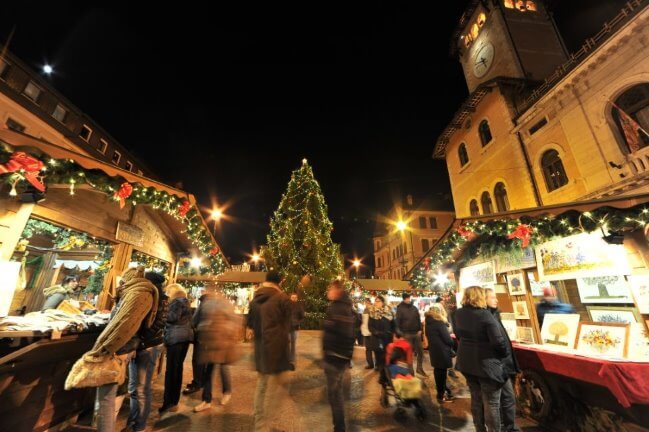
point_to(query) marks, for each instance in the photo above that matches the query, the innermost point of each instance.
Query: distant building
(30, 105)
(397, 250)
(542, 127)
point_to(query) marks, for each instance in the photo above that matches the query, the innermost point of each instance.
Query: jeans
(140, 374)
(266, 398)
(485, 403)
(508, 407)
(176, 354)
(293, 341)
(335, 373)
(208, 380)
(417, 349)
(440, 381)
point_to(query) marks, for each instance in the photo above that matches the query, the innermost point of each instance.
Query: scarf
(57, 289)
(384, 312)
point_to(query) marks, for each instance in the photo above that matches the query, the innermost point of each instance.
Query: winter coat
(365, 329)
(399, 343)
(381, 326)
(338, 337)
(481, 344)
(179, 322)
(440, 344)
(408, 319)
(510, 363)
(218, 329)
(134, 309)
(552, 307)
(53, 301)
(270, 319)
(154, 335)
(297, 314)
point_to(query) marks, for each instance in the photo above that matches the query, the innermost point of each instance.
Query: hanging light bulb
(13, 192)
(71, 188)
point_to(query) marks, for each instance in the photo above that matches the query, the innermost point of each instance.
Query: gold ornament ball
(305, 281)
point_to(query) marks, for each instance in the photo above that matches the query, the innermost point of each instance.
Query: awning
(384, 284)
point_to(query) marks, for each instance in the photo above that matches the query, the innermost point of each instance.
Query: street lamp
(255, 260)
(402, 227)
(216, 214)
(356, 263)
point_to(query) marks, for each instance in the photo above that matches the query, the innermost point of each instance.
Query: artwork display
(516, 283)
(638, 343)
(511, 329)
(579, 256)
(483, 275)
(616, 315)
(507, 316)
(520, 310)
(640, 289)
(598, 339)
(604, 289)
(560, 330)
(536, 286)
(515, 260)
(525, 334)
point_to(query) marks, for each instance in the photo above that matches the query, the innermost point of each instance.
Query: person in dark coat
(551, 304)
(409, 323)
(440, 348)
(481, 350)
(338, 347)
(269, 320)
(297, 316)
(510, 367)
(381, 326)
(198, 370)
(178, 334)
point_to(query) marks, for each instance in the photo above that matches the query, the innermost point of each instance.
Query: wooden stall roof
(384, 284)
(30, 144)
(228, 276)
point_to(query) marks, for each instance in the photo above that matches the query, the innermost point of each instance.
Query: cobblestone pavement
(303, 405)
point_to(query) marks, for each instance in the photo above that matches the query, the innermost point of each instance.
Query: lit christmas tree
(300, 242)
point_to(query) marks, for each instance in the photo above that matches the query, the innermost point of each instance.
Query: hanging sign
(130, 234)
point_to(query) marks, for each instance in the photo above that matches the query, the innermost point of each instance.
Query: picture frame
(520, 310)
(614, 314)
(525, 335)
(604, 289)
(640, 289)
(560, 330)
(516, 283)
(638, 343)
(507, 316)
(603, 339)
(536, 286)
(483, 275)
(511, 329)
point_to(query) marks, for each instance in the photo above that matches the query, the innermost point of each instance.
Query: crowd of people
(149, 319)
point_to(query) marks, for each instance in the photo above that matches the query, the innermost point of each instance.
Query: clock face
(483, 59)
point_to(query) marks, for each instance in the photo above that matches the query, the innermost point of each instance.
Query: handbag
(91, 371)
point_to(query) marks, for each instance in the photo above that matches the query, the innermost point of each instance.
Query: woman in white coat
(365, 331)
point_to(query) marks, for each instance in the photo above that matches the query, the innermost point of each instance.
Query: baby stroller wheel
(400, 415)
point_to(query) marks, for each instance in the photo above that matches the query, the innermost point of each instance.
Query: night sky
(228, 102)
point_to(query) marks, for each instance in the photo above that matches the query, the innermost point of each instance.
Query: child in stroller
(400, 383)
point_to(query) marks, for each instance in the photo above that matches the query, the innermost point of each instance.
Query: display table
(33, 369)
(617, 386)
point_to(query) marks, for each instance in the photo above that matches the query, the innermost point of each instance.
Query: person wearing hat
(551, 304)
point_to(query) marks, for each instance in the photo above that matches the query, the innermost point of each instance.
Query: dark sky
(230, 101)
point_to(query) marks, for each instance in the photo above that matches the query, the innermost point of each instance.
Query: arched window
(463, 155)
(631, 114)
(553, 171)
(473, 208)
(485, 133)
(487, 206)
(500, 193)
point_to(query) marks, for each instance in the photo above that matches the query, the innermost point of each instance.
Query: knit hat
(132, 273)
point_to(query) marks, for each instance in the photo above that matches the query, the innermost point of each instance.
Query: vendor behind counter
(56, 294)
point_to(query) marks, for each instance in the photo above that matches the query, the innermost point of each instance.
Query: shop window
(85, 133)
(485, 133)
(553, 171)
(32, 91)
(500, 193)
(487, 205)
(422, 222)
(521, 5)
(463, 155)
(474, 31)
(631, 115)
(14, 125)
(538, 125)
(425, 245)
(482, 18)
(432, 222)
(474, 210)
(60, 113)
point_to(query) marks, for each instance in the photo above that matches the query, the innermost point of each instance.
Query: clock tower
(507, 38)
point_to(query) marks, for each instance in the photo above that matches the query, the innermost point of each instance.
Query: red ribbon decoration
(427, 264)
(465, 232)
(214, 250)
(523, 233)
(125, 191)
(28, 166)
(184, 208)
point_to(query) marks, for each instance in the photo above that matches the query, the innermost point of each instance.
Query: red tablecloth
(629, 382)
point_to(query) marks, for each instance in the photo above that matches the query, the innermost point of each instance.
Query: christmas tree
(299, 243)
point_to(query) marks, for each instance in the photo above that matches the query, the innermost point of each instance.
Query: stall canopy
(384, 284)
(229, 276)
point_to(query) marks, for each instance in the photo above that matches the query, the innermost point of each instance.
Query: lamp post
(216, 214)
(402, 227)
(255, 260)
(356, 264)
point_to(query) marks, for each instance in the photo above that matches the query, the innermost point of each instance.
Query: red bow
(427, 264)
(214, 250)
(125, 191)
(465, 232)
(523, 233)
(184, 208)
(28, 166)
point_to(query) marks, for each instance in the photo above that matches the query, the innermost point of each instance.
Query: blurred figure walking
(297, 316)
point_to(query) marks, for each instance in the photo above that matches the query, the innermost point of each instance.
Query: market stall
(64, 216)
(573, 290)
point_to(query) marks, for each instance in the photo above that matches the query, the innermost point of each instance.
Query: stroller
(406, 393)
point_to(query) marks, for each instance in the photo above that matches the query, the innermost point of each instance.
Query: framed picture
(578, 256)
(510, 328)
(520, 310)
(516, 283)
(638, 343)
(483, 274)
(536, 287)
(525, 334)
(506, 262)
(599, 339)
(640, 289)
(604, 289)
(507, 316)
(560, 330)
(613, 314)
